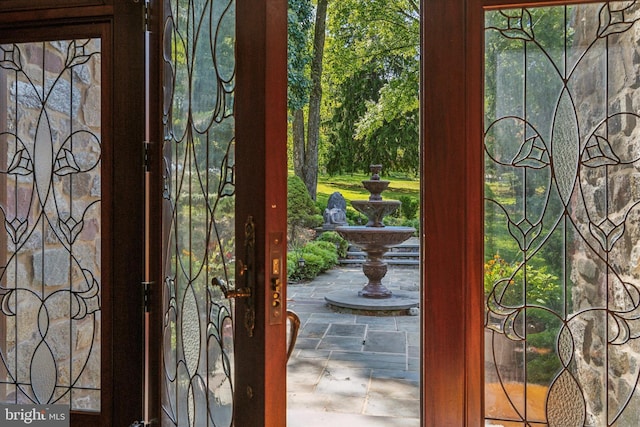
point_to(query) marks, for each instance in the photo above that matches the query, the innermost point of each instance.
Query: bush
(301, 209)
(355, 218)
(415, 223)
(302, 213)
(325, 250)
(543, 298)
(318, 257)
(333, 237)
(409, 206)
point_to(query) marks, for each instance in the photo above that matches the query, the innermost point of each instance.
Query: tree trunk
(310, 169)
(298, 143)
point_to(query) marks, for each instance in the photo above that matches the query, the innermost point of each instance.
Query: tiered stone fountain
(375, 239)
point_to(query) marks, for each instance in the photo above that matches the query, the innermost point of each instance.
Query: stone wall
(605, 254)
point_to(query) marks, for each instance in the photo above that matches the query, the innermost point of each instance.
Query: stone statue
(336, 212)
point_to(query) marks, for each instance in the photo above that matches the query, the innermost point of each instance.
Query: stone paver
(386, 342)
(352, 369)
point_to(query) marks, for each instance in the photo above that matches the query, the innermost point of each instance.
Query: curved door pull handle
(246, 272)
(231, 293)
(294, 328)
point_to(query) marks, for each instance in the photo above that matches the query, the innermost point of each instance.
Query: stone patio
(353, 369)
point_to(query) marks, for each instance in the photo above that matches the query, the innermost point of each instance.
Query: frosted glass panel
(562, 215)
(50, 208)
(199, 211)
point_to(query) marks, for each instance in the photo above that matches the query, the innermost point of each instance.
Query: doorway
(353, 363)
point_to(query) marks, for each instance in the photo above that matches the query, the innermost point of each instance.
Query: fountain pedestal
(375, 241)
(375, 270)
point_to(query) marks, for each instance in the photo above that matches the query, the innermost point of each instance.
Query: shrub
(333, 237)
(318, 257)
(301, 209)
(292, 265)
(302, 213)
(415, 223)
(409, 206)
(538, 306)
(325, 250)
(355, 218)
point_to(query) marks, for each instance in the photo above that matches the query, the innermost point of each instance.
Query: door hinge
(146, 296)
(146, 156)
(147, 16)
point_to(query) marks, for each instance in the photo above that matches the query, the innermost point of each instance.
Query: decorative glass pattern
(50, 192)
(199, 65)
(562, 215)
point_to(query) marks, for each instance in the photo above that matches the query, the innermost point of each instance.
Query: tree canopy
(300, 20)
(372, 78)
(369, 70)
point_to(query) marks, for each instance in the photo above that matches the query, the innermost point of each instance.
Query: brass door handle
(245, 272)
(294, 328)
(231, 293)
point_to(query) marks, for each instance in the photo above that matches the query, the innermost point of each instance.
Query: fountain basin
(375, 241)
(372, 238)
(375, 187)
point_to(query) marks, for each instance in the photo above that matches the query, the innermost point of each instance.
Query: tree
(349, 105)
(373, 75)
(300, 16)
(299, 57)
(305, 144)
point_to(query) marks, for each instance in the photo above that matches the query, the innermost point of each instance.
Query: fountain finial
(375, 172)
(375, 185)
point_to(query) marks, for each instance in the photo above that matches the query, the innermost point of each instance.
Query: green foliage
(506, 280)
(393, 221)
(542, 299)
(409, 207)
(334, 238)
(318, 256)
(301, 209)
(372, 79)
(354, 217)
(300, 19)
(415, 223)
(542, 368)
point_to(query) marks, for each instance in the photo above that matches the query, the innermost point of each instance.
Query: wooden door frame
(451, 200)
(119, 23)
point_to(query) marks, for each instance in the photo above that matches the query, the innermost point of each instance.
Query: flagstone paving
(352, 369)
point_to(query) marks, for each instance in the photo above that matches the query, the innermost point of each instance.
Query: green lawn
(351, 187)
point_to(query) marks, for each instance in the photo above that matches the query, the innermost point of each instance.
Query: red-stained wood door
(453, 162)
(71, 128)
(217, 176)
(159, 131)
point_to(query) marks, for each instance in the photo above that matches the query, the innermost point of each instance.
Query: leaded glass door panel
(63, 288)
(562, 208)
(224, 211)
(51, 209)
(199, 40)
